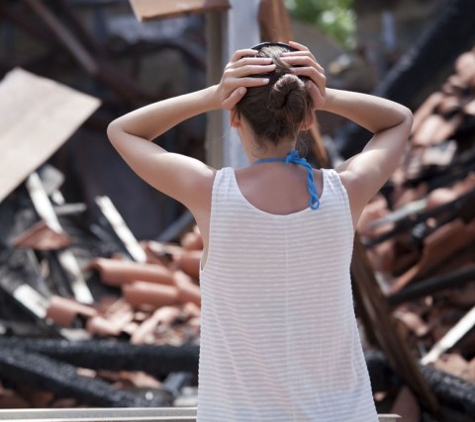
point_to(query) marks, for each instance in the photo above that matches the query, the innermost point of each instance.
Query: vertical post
(215, 24)
(227, 32)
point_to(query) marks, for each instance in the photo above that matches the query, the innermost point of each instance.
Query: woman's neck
(268, 150)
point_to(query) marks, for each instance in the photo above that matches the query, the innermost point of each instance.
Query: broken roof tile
(42, 237)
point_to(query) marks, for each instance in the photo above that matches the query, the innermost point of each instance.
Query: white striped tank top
(279, 340)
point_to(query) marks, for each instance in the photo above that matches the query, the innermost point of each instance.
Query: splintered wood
(152, 9)
(38, 116)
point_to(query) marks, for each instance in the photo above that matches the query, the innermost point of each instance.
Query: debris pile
(419, 232)
(72, 351)
(89, 316)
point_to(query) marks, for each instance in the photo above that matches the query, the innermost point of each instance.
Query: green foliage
(334, 17)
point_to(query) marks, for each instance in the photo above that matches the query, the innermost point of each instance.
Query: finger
(248, 70)
(241, 53)
(234, 98)
(302, 61)
(252, 60)
(299, 54)
(316, 77)
(298, 46)
(234, 84)
(315, 93)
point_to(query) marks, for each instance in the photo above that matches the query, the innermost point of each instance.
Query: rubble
(419, 232)
(90, 316)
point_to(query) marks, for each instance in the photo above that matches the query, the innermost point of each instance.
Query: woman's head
(277, 111)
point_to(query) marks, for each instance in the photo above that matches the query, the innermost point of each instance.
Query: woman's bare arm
(364, 174)
(183, 178)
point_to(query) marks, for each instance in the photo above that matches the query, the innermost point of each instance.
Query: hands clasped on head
(247, 69)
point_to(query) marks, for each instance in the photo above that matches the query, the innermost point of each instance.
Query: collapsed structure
(90, 316)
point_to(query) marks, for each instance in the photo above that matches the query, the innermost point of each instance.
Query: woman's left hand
(239, 74)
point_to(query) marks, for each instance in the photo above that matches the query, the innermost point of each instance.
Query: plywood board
(156, 9)
(37, 116)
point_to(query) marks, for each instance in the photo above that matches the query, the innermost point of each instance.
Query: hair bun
(283, 90)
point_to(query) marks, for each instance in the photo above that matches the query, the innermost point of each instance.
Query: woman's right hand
(304, 63)
(240, 74)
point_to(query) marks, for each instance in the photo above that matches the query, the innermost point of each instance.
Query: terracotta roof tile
(145, 293)
(117, 272)
(42, 237)
(64, 312)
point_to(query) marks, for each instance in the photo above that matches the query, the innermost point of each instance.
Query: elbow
(408, 121)
(113, 130)
(407, 116)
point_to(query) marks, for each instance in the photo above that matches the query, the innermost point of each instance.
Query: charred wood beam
(192, 54)
(75, 24)
(41, 372)
(455, 395)
(65, 36)
(24, 286)
(120, 229)
(98, 67)
(462, 206)
(158, 360)
(18, 16)
(435, 178)
(66, 258)
(175, 230)
(439, 46)
(432, 285)
(16, 281)
(451, 338)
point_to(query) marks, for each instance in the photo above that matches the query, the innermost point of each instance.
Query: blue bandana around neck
(293, 157)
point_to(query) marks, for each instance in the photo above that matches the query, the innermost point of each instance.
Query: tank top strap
(337, 190)
(225, 194)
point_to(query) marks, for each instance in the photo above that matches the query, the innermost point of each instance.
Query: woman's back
(276, 187)
(279, 340)
(279, 336)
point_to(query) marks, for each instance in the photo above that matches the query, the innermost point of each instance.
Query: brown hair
(277, 110)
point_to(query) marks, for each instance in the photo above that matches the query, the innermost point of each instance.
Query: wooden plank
(121, 229)
(453, 336)
(37, 116)
(68, 261)
(153, 9)
(162, 414)
(274, 21)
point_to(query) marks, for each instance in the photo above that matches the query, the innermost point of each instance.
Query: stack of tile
(154, 296)
(420, 230)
